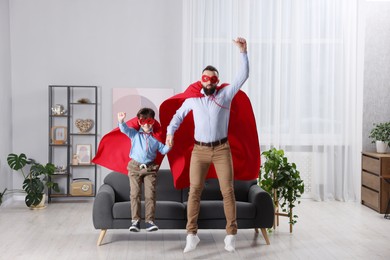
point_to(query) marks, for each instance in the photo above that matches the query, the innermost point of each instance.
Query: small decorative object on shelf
(84, 153)
(75, 159)
(83, 101)
(58, 134)
(84, 125)
(58, 110)
(60, 170)
(81, 187)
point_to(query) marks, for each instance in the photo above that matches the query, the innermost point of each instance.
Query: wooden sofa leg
(265, 235)
(101, 236)
(256, 230)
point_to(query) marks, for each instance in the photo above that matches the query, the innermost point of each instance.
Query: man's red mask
(213, 79)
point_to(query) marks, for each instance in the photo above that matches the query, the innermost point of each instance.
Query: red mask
(213, 79)
(148, 121)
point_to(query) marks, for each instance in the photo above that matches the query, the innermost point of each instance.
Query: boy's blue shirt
(144, 146)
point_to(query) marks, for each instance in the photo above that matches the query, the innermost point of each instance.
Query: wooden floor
(64, 230)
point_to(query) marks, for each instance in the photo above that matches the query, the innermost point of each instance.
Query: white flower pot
(381, 147)
(41, 205)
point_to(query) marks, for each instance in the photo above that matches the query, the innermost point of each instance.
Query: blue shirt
(144, 146)
(211, 113)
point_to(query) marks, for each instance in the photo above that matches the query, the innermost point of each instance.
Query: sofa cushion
(121, 185)
(164, 210)
(213, 209)
(165, 189)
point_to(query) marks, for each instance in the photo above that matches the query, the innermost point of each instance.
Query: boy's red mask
(149, 121)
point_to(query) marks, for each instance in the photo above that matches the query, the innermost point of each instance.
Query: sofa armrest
(102, 207)
(264, 206)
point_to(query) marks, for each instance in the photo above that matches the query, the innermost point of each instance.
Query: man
(211, 114)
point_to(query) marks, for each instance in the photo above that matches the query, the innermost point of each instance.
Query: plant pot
(41, 205)
(381, 147)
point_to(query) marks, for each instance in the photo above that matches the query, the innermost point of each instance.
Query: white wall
(5, 96)
(376, 104)
(121, 43)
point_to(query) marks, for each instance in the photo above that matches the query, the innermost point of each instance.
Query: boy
(141, 167)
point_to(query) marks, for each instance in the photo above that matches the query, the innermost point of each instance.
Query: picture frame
(84, 153)
(59, 134)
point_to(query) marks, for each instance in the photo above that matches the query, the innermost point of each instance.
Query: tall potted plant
(282, 180)
(380, 135)
(35, 180)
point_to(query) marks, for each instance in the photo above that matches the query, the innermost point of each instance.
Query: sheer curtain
(303, 81)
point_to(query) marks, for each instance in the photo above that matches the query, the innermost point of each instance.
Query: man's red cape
(114, 148)
(242, 135)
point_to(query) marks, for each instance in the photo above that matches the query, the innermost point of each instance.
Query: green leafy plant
(380, 132)
(36, 179)
(2, 195)
(282, 180)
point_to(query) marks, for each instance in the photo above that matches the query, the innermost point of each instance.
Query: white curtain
(303, 81)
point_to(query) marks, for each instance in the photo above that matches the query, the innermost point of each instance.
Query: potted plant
(380, 135)
(282, 180)
(35, 180)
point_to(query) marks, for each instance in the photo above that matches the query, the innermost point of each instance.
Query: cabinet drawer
(371, 181)
(386, 167)
(370, 198)
(371, 164)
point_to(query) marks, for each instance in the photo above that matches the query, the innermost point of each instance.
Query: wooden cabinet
(375, 180)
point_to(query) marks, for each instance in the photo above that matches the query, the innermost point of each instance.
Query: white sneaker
(192, 242)
(230, 243)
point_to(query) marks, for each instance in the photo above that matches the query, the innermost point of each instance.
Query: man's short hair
(210, 68)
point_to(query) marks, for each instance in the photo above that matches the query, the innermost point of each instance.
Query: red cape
(242, 135)
(114, 148)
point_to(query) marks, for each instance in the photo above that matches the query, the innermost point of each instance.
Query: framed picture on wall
(84, 153)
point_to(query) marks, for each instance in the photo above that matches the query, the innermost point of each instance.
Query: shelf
(69, 195)
(63, 116)
(83, 134)
(84, 145)
(60, 145)
(82, 165)
(94, 104)
(60, 175)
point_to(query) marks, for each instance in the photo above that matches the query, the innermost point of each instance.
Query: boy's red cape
(114, 148)
(242, 135)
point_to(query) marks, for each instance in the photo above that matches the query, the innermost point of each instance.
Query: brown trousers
(202, 157)
(148, 177)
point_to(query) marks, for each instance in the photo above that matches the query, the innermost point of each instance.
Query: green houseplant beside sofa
(111, 209)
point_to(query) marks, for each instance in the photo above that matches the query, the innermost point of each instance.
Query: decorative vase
(381, 147)
(41, 205)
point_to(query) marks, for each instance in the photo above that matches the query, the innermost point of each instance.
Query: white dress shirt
(211, 113)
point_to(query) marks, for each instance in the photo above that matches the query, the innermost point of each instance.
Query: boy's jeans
(148, 177)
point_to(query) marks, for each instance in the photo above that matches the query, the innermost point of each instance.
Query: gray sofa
(111, 208)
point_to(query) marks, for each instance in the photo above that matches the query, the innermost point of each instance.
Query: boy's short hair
(211, 68)
(146, 113)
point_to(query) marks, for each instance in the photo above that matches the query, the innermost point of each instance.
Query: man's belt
(212, 144)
